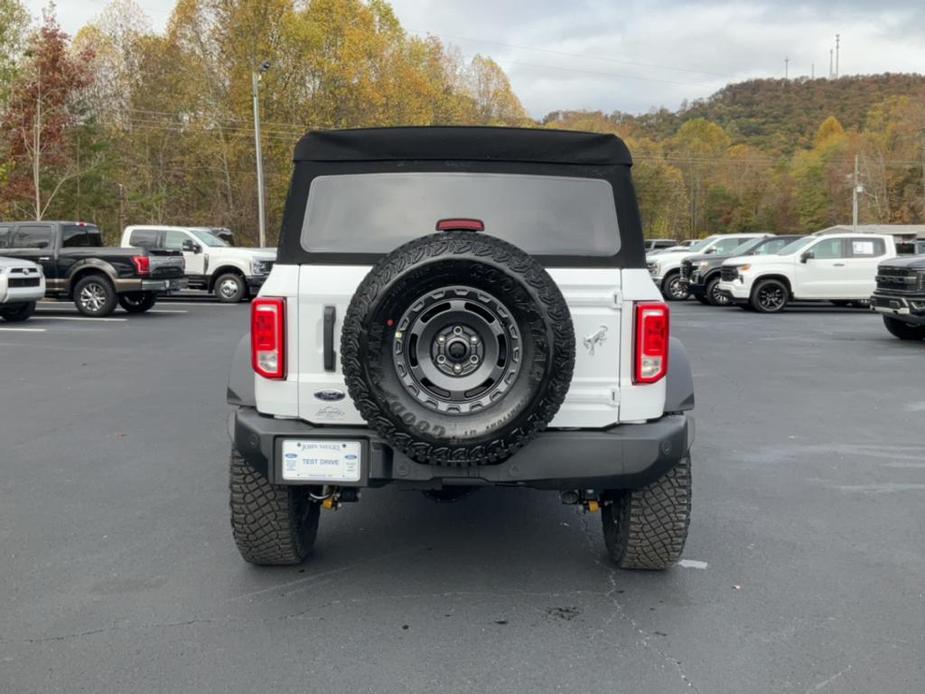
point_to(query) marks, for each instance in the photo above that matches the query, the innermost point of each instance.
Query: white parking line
(163, 310)
(84, 318)
(206, 304)
(23, 330)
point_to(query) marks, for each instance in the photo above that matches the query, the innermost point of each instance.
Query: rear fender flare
(679, 387)
(241, 378)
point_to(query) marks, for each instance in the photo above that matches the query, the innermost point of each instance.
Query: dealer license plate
(321, 460)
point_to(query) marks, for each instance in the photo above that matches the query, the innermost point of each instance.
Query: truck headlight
(260, 267)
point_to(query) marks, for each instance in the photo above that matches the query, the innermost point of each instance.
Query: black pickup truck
(900, 296)
(79, 267)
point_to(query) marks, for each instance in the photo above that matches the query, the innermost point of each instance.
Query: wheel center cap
(457, 350)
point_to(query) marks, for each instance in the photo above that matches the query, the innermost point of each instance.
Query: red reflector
(142, 264)
(652, 337)
(268, 337)
(460, 225)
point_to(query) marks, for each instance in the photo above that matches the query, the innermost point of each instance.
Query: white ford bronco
(454, 308)
(230, 273)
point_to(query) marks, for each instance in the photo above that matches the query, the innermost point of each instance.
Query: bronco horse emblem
(598, 337)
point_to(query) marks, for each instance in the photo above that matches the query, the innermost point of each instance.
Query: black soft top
(528, 145)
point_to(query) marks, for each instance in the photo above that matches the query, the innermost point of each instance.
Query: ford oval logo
(290, 456)
(329, 395)
(350, 456)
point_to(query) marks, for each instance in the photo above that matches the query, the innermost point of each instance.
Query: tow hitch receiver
(586, 498)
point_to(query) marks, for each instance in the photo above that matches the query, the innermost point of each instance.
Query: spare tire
(458, 348)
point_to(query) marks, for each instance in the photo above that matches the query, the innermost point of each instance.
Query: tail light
(268, 337)
(459, 224)
(652, 336)
(142, 265)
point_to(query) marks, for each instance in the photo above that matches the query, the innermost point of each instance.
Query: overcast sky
(635, 55)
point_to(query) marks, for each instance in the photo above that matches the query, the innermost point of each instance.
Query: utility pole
(812, 71)
(787, 68)
(854, 197)
(837, 41)
(831, 57)
(255, 90)
(37, 149)
(121, 207)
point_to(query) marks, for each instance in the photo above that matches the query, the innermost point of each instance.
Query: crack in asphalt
(112, 627)
(621, 613)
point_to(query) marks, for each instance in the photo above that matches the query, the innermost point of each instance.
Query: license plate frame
(314, 461)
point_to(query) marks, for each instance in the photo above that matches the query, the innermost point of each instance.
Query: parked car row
(68, 261)
(766, 273)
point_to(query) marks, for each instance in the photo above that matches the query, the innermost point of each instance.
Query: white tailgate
(321, 286)
(594, 299)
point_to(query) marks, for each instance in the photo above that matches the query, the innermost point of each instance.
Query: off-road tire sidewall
(902, 330)
(272, 524)
(547, 349)
(647, 528)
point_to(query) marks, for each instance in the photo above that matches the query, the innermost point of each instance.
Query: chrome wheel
(229, 287)
(676, 290)
(93, 297)
(457, 349)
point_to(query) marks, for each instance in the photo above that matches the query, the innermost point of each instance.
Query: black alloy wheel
(460, 349)
(770, 296)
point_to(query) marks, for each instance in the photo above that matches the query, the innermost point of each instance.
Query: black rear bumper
(622, 457)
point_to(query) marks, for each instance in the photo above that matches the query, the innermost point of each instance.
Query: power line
(571, 55)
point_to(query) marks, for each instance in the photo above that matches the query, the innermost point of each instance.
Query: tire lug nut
(474, 339)
(457, 368)
(442, 338)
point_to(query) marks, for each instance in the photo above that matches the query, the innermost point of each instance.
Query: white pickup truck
(231, 273)
(840, 268)
(665, 267)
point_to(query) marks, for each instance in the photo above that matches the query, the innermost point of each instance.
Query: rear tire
(769, 296)
(672, 289)
(273, 525)
(17, 312)
(137, 302)
(647, 528)
(94, 296)
(230, 288)
(902, 330)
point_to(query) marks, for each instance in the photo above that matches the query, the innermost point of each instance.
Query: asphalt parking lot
(804, 571)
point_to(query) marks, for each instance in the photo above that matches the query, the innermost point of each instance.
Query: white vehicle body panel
(601, 301)
(11, 268)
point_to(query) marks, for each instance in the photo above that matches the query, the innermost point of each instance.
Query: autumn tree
(43, 111)
(14, 21)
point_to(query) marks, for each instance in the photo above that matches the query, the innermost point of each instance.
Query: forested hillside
(122, 124)
(783, 115)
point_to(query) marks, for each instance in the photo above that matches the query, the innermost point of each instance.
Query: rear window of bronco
(543, 215)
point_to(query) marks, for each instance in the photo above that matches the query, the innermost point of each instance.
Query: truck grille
(900, 279)
(686, 270)
(23, 282)
(728, 274)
